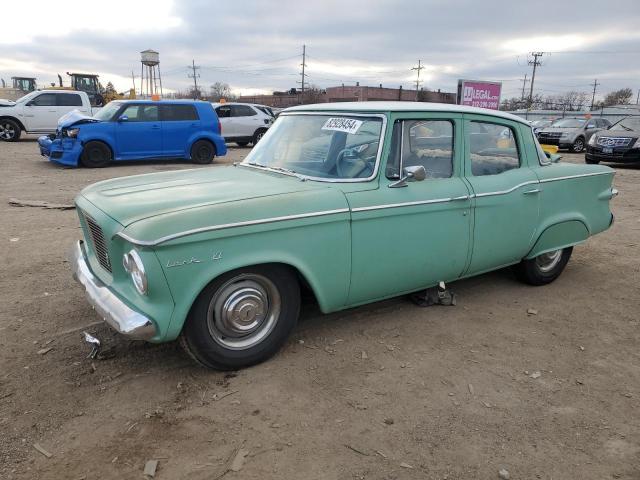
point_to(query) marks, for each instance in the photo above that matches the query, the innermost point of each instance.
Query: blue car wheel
(96, 155)
(202, 152)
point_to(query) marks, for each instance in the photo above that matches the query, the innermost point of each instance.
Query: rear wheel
(9, 130)
(202, 152)
(243, 317)
(544, 268)
(578, 145)
(257, 136)
(95, 155)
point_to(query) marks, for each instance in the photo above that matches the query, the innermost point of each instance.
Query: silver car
(572, 133)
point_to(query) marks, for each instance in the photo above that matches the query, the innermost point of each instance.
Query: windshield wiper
(289, 171)
(625, 127)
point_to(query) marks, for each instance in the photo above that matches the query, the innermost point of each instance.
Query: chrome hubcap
(547, 261)
(243, 311)
(7, 131)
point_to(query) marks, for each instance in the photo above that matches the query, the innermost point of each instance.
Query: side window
(591, 124)
(223, 112)
(493, 149)
(69, 100)
(44, 100)
(176, 113)
(141, 113)
(242, 111)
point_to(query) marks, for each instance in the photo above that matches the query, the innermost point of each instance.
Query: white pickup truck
(39, 111)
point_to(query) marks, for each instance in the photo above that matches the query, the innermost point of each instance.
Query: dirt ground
(386, 391)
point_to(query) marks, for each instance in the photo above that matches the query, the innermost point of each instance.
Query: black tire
(10, 130)
(242, 144)
(578, 145)
(95, 155)
(235, 301)
(258, 135)
(202, 152)
(591, 161)
(543, 269)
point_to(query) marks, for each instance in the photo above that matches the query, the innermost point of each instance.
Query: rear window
(175, 113)
(242, 111)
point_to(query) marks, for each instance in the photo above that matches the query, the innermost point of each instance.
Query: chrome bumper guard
(114, 311)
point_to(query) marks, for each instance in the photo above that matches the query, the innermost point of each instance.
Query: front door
(505, 190)
(139, 132)
(41, 113)
(408, 238)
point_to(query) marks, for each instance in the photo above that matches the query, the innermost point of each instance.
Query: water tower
(151, 60)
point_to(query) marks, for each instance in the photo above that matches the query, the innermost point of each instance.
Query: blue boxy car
(136, 129)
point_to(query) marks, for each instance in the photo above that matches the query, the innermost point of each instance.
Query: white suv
(243, 123)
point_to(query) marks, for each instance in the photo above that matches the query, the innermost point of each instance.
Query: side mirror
(123, 118)
(415, 173)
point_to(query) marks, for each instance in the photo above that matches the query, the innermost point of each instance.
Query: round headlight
(133, 265)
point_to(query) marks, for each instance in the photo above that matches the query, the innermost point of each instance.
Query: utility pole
(535, 63)
(524, 85)
(593, 97)
(302, 74)
(195, 75)
(638, 97)
(418, 68)
(133, 81)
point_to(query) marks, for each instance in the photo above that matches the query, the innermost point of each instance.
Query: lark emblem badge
(182, 263)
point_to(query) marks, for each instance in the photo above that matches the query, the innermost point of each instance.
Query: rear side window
(242, 111)
(493, 149)
(175, 113)
(69, 100)
(223, 112)
(44, 100)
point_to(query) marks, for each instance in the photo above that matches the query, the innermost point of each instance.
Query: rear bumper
(65, 151)
(114, 311)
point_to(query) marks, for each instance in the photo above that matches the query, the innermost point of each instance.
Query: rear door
(505, 190)
(179, 123)
(245, 120)
(226, 122)
(70, 101)
(41, 113)
(140, 135)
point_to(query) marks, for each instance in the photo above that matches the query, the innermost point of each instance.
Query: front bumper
(65, 151)
(618, 154)
(114, 311)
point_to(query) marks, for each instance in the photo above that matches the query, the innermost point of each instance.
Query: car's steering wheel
(349, 167)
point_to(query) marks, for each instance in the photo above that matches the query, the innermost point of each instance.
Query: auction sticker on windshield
(341, 124)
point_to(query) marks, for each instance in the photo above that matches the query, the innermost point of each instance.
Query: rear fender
(560, 235)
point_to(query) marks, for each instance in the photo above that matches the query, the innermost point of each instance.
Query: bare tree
(618, 97)
(221, 90)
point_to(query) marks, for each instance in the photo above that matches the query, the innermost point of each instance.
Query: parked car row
(572, 133)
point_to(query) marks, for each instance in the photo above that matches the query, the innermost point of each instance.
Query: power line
(194, 75)
(535, 63)
(593, 97)
(418, 68)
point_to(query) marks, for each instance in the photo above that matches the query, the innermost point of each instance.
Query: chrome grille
(551, 134)
(614, 141)
(99, 245)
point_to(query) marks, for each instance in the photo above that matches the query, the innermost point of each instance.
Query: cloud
(255, 46)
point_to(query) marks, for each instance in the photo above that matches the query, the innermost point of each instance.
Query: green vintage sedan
(356, 202)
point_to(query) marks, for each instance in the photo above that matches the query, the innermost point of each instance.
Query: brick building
(351, 93)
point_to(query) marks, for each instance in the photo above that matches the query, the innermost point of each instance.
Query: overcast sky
(256, 46)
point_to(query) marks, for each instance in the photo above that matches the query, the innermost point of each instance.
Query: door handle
(155, 127)
(194, 124)
(529, 192)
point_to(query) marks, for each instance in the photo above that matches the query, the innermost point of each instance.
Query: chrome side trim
(504, 192)
(408, 204)
(576, 176)
(152, 243)
(112, 310)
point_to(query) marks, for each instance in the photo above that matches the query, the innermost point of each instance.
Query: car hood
(6, 103)
(131, 199)
(619, 133)
(75, 118)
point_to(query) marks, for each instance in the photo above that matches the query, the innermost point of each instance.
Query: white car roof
(402, 107)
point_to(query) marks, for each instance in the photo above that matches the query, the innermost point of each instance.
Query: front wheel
(544, 268)
(9, 131)
(578, 145)
(257, 136)
(95, 155)
(243, 317)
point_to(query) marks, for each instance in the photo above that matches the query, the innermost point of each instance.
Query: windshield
(540, 123)
(322, 146)
(628, 124)
(569, 123)
(107, 112)
(27, 97)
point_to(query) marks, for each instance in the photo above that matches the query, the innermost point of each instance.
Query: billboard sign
(477, 93)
